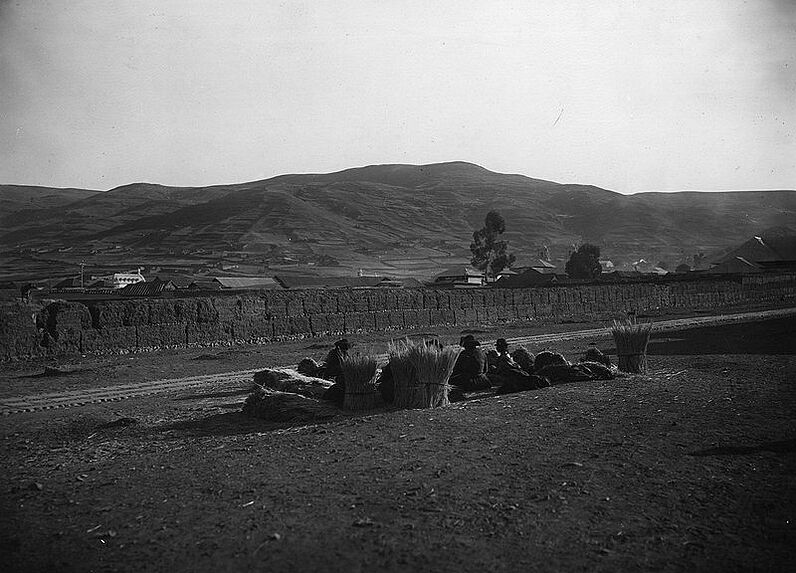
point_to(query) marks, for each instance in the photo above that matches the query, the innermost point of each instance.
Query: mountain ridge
(387, 217)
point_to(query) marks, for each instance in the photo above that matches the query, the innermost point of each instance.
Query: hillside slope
(402, 216)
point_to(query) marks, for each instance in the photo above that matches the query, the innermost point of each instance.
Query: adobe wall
(68, 328)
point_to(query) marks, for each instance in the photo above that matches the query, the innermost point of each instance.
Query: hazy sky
(627, 95)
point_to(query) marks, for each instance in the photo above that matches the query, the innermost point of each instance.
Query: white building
(121, 280)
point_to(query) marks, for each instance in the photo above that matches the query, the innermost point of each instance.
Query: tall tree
(584, 263)
(489, 253)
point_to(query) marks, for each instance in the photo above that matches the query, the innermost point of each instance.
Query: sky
(628, 95)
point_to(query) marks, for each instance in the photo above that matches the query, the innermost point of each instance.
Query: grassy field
(688, 468)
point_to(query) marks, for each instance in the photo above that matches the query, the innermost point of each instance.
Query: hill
(16, 198)
(392, 219)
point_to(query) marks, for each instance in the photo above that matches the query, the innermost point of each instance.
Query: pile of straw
(631, 340)
(361, 391)
(275, 406)
(421, 371)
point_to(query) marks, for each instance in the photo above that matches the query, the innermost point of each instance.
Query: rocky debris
(584, 371)
(547, 358)
(289, 380)
(524, 358)
(595, 355)
(308, 367)
(276, 406)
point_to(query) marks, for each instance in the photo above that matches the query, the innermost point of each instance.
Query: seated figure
(469, 372)
(510, 376)
(332, 369)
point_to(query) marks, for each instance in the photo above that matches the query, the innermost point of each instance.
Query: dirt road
(235, 379)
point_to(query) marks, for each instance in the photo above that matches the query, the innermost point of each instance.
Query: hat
(468, 340)
(343, 343)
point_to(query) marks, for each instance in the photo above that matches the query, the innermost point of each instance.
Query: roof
(775, 244)
(735, 265)
(460, 271)
(180, 281)
(528, 278)
(246, 282)
(142, 288)
(204, 284)
(532, 264)
(297, 281)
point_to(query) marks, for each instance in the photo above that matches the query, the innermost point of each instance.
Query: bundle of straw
(403, 372)
(631, 340)
(421, 370)
(361, 392)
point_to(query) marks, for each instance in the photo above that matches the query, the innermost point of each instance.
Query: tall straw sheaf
(631, 338)
(361, 391)
(421, 371)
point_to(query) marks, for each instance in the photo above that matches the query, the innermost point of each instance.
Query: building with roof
(153, 288)
(539, 265)
(774, 249)
(527, 278)
(735, 265)
(458, 277)
(121, 280)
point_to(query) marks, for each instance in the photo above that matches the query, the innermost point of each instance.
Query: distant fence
(58, 328)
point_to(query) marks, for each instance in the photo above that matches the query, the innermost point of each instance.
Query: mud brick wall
(67, 328)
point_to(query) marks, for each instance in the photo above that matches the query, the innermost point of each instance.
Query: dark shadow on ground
(780, 447)
(52, 372)
(776, 336)
(222, 355)
(235, 424)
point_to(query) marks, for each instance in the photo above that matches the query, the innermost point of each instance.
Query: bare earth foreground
(689, 468)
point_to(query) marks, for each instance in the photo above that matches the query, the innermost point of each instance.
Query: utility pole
(82, 265)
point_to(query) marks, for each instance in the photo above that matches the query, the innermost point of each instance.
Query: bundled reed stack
(421, 371)
(361, 392)
(631, 340)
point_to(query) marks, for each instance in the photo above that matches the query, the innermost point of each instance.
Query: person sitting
(469, 372)
(386, 384)
(332, 369)
(509, 375)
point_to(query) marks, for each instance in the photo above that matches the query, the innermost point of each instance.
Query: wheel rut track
(74, 398)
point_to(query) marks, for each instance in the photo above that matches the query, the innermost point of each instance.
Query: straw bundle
(361, 391)
(421, 371)
(631, 340)
(276, 406)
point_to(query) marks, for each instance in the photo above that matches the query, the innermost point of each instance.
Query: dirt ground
(688, 468)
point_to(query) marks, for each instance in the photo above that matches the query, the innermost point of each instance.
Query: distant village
(756, 255)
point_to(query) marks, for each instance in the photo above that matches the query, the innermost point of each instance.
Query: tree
(584, 263)
(489, 254)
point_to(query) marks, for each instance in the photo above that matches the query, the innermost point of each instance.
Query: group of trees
(584, 263)
(490, 253)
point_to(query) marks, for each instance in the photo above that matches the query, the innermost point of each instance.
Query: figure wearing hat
(332, 369)
(469, 372)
